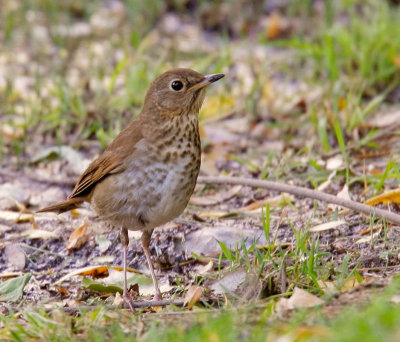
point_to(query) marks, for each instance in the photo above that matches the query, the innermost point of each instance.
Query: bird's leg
(146, 235)
(125, 242)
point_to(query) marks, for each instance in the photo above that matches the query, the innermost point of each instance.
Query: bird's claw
(129, 302)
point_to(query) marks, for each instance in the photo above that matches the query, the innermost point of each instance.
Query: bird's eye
(176, 85)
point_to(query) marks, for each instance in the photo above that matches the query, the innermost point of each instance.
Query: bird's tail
(63, 206)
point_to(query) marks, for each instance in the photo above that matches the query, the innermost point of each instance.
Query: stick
(302, 192)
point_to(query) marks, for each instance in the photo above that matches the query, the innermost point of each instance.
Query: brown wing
(106, 164)
(110, 162)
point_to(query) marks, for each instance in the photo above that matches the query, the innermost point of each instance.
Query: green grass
(375, 321)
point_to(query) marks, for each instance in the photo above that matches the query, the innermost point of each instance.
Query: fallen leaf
(344, 194)
(334, 163)
(230, 234)
(93, 271)
(385, 198)
(206, 268)
(229, 282)
(62, 290)
(14, 216)
(12, 290)
(327, 226)
(7, 275)
(79, 237)
(369, 238)
(118, 300)
(11, 196)
(104, 259)
(219, 197)
(216, 214)
(39, 234)
(15, 256)
(192, 296)
(349, 284)
(273, 201)
(299, 299)
(275, 25)
(383, 120)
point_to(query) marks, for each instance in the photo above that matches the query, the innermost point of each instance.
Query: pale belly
(147, 195)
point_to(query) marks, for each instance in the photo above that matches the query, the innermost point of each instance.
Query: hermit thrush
(147, 174)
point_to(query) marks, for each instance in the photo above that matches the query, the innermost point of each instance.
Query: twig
(303, 192)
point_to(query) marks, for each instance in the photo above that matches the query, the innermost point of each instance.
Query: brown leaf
(79, 237)
(62, 290)
(274, 28)
(192, 296)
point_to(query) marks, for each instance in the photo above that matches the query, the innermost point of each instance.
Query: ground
(310, 98)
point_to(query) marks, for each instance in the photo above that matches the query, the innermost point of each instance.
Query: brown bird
(146, 176)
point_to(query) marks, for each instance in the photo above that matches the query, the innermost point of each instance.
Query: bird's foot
(157, 297)
(129, 302)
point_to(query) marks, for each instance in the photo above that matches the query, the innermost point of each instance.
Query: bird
(146, 175)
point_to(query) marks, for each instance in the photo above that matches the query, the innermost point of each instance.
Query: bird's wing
(110, 162)
(105, 165)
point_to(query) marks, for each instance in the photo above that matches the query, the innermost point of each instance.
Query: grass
(375, 321)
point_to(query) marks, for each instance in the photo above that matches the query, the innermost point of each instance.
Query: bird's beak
(206, 81)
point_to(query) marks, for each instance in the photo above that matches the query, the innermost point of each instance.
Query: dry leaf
(299, 299)
(219, 197)
(39, 234)
(369, 238)
(62, 290)
(349, 284)
(7, 275)
(385, 120)
(230, 282)
(274, 201)
(93, 271)
(344, 194)
(327, 226)
(334, 163)
(192, 296)
(387, 197)
(14, 216)
(216, 214)
(79, 237)
(206, 268)
(118, 300)
(275, 25)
